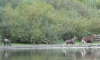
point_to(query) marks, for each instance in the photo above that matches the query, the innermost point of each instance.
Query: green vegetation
(48, 21)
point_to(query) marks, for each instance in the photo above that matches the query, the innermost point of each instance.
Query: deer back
(6, 40)
(71, 40)
(90, 38)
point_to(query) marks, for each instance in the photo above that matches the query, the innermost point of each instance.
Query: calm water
(50, 54)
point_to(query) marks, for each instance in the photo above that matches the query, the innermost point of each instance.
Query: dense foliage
(47, 21)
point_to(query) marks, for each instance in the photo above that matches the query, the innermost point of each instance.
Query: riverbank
(40, 46)
(47, 46)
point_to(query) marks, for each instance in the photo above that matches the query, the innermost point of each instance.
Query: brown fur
(70, 41)
(89, 39)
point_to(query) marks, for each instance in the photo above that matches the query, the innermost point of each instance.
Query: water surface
(50, 54)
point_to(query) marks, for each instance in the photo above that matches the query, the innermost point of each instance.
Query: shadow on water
(50, 54)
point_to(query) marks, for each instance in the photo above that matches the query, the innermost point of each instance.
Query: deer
(89, 39)
(6, 41)
(70, 41)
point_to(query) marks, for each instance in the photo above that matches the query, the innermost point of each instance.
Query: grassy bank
(57, 43)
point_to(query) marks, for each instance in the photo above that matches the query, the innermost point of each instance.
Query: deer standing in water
(70, 41)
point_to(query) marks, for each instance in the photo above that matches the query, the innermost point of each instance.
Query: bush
(48, 21)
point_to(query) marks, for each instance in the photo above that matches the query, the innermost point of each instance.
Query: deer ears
(74, 36)
(94, 35)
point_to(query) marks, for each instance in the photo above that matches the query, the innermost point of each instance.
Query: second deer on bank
(70, 41)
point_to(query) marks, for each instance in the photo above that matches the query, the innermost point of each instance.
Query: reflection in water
(71, 55)
(88, 53)
(84, 53)
(6, 54)
(50, 54)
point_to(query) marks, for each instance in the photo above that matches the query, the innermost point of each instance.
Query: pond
(50, 54)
